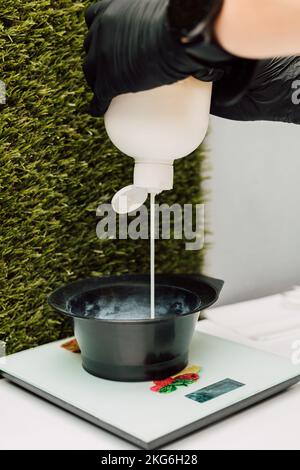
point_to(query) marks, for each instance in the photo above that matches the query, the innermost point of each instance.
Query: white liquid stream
(152, 255)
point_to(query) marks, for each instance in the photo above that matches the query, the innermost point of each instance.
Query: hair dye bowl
(117, 337)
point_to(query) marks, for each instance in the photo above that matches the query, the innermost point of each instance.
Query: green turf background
(57, 166)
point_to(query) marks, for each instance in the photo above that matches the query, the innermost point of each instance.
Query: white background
(254, 209)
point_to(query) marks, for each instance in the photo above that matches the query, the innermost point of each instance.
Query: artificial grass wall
(57, 166)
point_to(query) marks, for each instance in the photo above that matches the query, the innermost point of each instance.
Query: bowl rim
(214, 284)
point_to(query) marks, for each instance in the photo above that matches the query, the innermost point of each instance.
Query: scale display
(214, 391)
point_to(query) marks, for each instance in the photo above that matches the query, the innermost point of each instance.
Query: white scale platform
(233, 377)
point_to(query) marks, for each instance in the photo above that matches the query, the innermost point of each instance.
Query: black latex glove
(132, 46)
(272, 95)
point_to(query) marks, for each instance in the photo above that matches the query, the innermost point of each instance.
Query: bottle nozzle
(154, 176)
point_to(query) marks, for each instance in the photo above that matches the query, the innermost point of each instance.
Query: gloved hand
(134, 45)
(273, 94)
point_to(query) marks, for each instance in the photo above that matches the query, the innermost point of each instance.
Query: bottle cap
(129, 199)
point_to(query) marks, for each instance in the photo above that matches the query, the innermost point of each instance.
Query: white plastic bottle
(156, 127)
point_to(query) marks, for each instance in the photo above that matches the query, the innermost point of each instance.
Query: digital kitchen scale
(232, 377)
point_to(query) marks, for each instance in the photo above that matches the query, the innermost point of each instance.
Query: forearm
(259, 28)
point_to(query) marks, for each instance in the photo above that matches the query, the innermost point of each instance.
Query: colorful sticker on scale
(71, 346)
(184, 378)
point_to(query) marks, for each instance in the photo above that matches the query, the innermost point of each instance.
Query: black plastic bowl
(139, 348)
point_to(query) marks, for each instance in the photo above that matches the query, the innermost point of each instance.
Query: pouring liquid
(152, 255)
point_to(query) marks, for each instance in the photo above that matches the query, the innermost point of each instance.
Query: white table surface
(29, 422)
